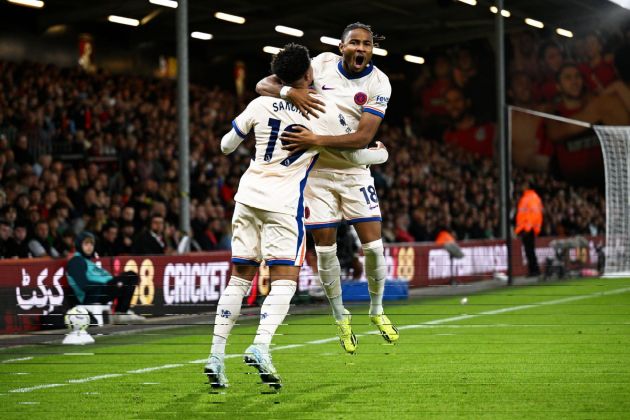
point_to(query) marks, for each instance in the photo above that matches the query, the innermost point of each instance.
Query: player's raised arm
(301, 98)
(269, 86)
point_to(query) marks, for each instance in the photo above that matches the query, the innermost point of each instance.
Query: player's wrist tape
(284, 92)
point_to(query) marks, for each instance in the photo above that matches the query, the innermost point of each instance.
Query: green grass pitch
(553, 350)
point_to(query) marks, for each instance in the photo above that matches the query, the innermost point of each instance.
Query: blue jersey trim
(238, 130)
(299, 217)
(364, 219)
(280, 262)
(322, 225)
(374, 112)
(243, 261)
(367, 70)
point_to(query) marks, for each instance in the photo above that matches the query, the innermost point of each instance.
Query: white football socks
(330, 277)
(376, 271)
(228, 311)
(273, 311)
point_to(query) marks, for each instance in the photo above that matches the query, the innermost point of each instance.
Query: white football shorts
(258, 235)
(334, 196)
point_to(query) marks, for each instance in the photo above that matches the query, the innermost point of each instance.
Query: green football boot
(347, 339)
(385, 327)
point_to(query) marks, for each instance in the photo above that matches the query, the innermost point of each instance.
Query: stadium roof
(410, 25)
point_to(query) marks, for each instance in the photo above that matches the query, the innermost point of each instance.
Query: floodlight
(229, 18)
(289, 31)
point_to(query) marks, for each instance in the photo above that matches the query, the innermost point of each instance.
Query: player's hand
(298, 140)
(305, 102)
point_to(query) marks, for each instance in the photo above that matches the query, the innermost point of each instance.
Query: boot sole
(213, 378)
(267, 378)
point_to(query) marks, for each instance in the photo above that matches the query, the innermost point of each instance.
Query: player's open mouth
(358, 61)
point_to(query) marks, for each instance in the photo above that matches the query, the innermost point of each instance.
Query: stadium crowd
(98, 152)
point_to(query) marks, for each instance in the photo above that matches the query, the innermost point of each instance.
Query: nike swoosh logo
(373, 207)
(327, 88)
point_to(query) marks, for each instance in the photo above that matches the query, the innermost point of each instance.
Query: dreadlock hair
(359, 25)
(291, 63)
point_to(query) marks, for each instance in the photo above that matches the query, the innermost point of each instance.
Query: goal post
(615, 143)
(595, 147)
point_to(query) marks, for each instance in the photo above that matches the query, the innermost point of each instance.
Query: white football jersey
(354, 94)
(275, 181)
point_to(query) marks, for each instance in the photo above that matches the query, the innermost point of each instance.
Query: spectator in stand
(21, 151)
(9, 213)
(476, 83)
(578, 157)
(530, 147)
(128, 216)
(151, 240)
(621, 87)
(573, 98)
(18, 245)
(98, 114)
(598, 71)
(124, 243)
(6, 233)
(418, 227)
(575, 103)
(434, 111)
(464, 132)
(61, 214)
(65, 243)
(524, 57)
(23, 203)
(93, 284)
(41, 243)
(402, 228)
(106, 246)
(114, 213)
(551, 59)
(201, 229)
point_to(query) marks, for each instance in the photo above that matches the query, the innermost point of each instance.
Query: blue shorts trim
(280, 262)
(322, 225)
(365, 219)
(244, 261)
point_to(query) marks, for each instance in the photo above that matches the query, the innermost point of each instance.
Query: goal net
(615, 143)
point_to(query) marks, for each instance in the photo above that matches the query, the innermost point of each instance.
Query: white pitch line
(36, 387)
(94, 378)
(515, 308)
(151, 369)
(427, 324)
(325, 340)
(19, 359)
(288, 346)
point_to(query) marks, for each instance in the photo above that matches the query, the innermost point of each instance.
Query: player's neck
(299, 85)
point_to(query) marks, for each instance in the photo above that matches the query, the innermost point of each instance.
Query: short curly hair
(359, 25)
(291, 63)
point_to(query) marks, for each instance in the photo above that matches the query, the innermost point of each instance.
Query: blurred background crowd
(96, 151)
